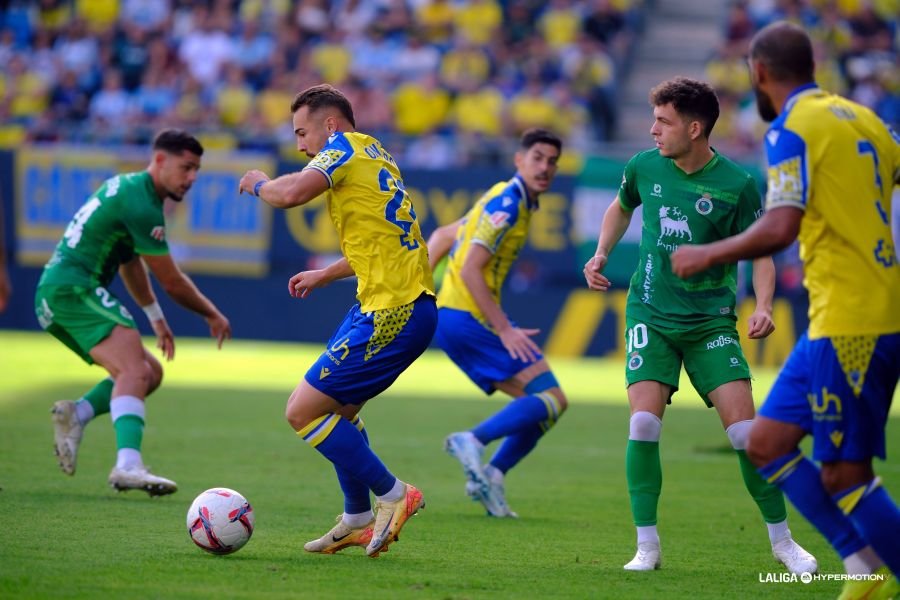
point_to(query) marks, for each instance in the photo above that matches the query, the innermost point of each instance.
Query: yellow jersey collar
(807, 89)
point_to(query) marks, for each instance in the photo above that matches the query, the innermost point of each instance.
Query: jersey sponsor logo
(112, 186)
(675, 225)
(724, 310)
(657, 190)
(498, 218)
(785, 182)
(704, 205)
(44, 314)
(158, 233)
(772, 137)
(507, 202)
(647, 286)
(836, 438)
(635, 361)
(324, 372)
(734, 362)
(327, 158)
(721, 342)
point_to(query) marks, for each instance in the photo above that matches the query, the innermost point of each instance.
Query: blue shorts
(476, 349)
(840, 390)
(370, 350)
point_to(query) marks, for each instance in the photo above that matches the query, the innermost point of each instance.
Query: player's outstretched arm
(304, 282)
(516, 340)
(286, 191)
(772, 232)
(760, 324)
(182, 290)
(137, 282)
(440, 242)
(615, 223)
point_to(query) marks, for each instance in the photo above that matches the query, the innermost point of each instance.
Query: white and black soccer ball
(220, 521)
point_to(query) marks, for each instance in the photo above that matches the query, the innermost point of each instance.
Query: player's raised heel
(647, 558)
(794, 557)
(390, 518)
(341, 536)
(141, 479)
(67, 432)
(465, 447)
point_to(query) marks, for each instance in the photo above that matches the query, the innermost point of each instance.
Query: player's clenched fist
(593, 273)
(250, 179)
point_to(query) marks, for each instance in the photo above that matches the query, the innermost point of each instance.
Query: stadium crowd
(443, 82)
(855, 51)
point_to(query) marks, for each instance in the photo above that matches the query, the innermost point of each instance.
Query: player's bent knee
(739, 433)
(644, 427)
(156, 374)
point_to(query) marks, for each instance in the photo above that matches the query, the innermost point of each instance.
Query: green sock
(767, 496)
(129, 431)
(99, 395)
(644, 474)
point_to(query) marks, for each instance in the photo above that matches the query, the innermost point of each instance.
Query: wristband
(153, 312)
(257, 187)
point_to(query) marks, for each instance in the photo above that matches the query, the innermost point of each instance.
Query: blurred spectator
(478, 21)
(560, 24)
(111, 107)
(462, 75)
(854, 48)
(206, 48)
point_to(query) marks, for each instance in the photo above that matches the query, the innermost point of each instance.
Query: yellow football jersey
(838, 162)
(499, 222)
(375, 221)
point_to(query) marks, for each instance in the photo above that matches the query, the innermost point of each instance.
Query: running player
(690, 193)
(382, 335)
(832, 168)
(121, 228)
(477, 335)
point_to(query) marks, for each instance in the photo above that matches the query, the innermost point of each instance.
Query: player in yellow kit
(382, 335)
(476, 334)
(832, 168)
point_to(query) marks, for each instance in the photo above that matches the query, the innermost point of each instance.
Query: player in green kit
(121, 228)
(690, 194)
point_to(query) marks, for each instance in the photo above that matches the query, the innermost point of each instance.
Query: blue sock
(515, 447)
(876, 517)
(356, 494)
(343, 444)
(801, 481)
(519, 415)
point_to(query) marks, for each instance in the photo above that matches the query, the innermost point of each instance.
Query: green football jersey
(718, 201)
(122, 218)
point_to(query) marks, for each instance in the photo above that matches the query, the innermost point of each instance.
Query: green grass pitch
(218, 421)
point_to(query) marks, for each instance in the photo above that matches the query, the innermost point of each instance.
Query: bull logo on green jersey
(676, 225)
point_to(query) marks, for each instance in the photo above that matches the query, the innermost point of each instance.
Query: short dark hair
(690, 98)
(322, 96)
(786, 51)
(176, 141)
(540, 136)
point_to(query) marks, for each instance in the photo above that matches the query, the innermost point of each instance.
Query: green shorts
(711, 353)
(78, 317)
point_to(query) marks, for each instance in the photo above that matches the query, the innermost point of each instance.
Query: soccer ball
(220, 521)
